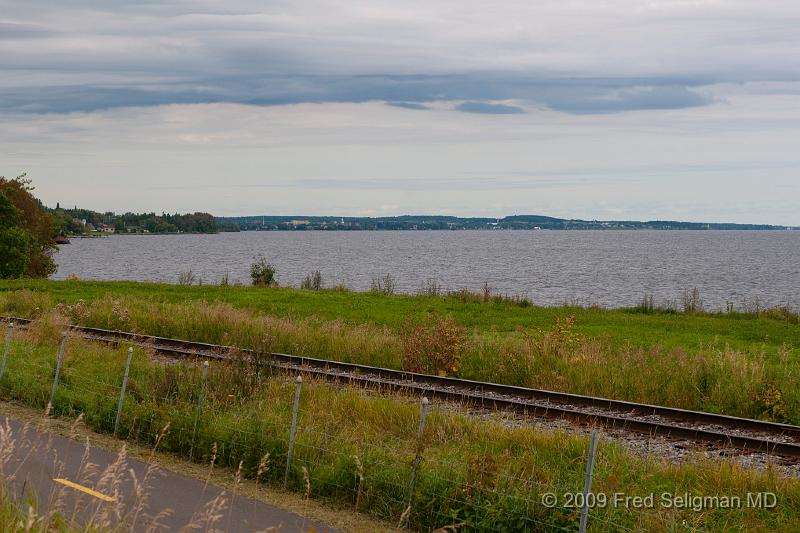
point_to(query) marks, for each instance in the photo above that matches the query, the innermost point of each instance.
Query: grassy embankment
(356, 449)
(734, 363)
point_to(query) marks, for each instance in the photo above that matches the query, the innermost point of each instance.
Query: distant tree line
(80, 221)
(434, 222)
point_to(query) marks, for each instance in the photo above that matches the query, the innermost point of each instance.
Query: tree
(13, 253)
(25, 225)
(13, 241)
(9, 214)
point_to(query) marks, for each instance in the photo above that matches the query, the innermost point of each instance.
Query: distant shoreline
(427, 230)
(427, 223)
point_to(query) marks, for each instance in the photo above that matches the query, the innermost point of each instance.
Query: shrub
(313, 281)
(384, 285)
(561, 340)
(186, 278)
(771, 403)
(487, 291)
(433, 346)
(263, 273)
(647, 305)
(431, 288)
(691, 301)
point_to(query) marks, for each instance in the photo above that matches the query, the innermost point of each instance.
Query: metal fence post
(422, 415)
(7, 348)
(293, 430)
(587, 484)
(58, 368)
(200, 399)
(122, 391)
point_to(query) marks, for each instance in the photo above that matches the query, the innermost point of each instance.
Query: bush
(433, 346)
(431, 287)
(384, 285)
(691, 301)
(772, 404)
(187, 278)
(262, 273)
(313, 281)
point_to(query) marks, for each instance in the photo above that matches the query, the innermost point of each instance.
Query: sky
(595, 109)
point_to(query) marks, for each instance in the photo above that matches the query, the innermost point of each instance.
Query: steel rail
(492, 395)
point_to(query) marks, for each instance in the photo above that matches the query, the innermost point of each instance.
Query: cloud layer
(574, 56)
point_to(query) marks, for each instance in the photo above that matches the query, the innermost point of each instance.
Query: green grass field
(738, 364)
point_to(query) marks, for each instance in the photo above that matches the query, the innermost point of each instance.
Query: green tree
(25, 224)
(13, 252)
(13, 241)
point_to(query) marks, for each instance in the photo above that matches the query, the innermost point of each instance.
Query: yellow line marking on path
(81, 488)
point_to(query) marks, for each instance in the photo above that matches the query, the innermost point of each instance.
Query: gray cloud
(630, 99)
(85, 55)
(479, 89)
(408, 105)
(12, 30)
(489, 109)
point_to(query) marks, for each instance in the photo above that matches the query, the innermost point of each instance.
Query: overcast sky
(615, 109)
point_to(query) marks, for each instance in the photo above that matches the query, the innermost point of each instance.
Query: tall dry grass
(63, 509)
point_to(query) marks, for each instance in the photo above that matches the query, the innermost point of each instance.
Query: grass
(356, 449)
(18, 515)
(665, 328)
(737, 364)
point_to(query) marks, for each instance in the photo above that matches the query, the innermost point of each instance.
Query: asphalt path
(92, 485)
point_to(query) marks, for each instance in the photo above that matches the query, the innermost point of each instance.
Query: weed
(772, 403)
(434, 346)
(312, 281)
(647, 305)
(187, 277)
(385, 285)
(691, 301)
(431, 288)
(487, 292)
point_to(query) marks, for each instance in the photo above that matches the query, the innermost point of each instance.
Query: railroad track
(743, 434)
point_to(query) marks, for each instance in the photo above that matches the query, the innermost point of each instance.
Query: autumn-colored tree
(24, 225)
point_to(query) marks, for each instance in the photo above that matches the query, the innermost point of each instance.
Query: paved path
(81, 482)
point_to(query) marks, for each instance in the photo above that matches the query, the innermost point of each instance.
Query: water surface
(608, 268)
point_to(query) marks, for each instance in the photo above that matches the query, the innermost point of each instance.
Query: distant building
(107, 228)
(296, 223)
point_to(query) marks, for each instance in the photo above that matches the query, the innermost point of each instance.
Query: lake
(607, 268)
